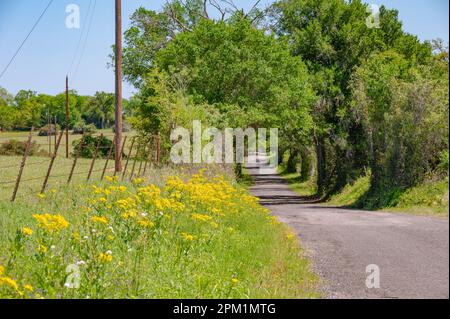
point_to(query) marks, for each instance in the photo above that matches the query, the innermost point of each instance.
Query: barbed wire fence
(139, 155)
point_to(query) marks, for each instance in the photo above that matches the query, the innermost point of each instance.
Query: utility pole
(118, 91)
(67, 116)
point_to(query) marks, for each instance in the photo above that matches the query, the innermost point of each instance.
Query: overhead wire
(91, 18)
(26, 38)
(80, 39)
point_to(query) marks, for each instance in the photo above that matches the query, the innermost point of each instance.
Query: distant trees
(27, 108)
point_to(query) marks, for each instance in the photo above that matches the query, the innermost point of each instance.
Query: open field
(43, 141)
(36, 166)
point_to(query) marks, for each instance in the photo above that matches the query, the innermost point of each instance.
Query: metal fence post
(128, 158)
(108, 158)
(77, 155)
(22, 164)
(52, 161)
(95, 156)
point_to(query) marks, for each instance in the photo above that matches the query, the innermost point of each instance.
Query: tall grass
(201, 236)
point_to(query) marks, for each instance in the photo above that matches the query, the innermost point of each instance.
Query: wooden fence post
(95, 156)
(138, 148)
(142, 159)
(77, 155)
(128, 158)
(108, 158)
(123, 148)
(148, 157)
(22, 164)
(52, 161)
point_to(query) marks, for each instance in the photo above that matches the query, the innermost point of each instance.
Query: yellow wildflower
(290, 236)
(100, 220)
(28, 288)
(138, 181)
(146, 224)
(9, 282)
(27, 231)
(122, 188)
(234, 281)
(201, 217)
(42, 249)
(105, 257)
(112, 179)
(2, 270)
(41, 196)
(102, 200)
(51, 223)
(188, 237)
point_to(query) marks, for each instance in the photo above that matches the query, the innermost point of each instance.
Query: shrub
(17, 148)
(443, 165)
(83, 128)
(49, 130)
(88, 146)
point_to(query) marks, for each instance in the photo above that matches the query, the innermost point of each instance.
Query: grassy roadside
(430, 198)
(198, 236)
(304, 188)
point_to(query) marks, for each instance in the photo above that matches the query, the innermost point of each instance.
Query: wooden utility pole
(118, 92)
(67, 116)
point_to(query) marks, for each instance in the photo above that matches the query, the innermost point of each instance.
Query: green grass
(304, 188)
(36, 167)
(44, 143)
(239, 251)
(429, 198)
(351, 193)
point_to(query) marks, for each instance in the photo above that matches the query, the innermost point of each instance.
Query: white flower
(67, 285)
(109, 252)
(94, 230)
(81, 263)
(52, 247)
(144, 214)
(86, 237)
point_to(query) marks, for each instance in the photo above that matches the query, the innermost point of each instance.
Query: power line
(26, 38)
(85, 41)
(80, 39)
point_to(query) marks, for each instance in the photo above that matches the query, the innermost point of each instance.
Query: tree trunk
(291, 166)
(321, 164)
(305, 171)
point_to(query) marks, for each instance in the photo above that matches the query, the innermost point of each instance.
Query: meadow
(176, 233)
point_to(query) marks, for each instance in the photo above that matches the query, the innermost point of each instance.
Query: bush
(83, 128)
(49, 130)
(443, 165)
(89, 145)
(17, 148)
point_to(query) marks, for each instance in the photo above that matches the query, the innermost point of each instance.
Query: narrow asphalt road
(411, 252)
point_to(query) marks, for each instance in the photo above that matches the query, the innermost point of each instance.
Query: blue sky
(46, 57)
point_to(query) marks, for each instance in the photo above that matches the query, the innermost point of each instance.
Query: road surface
(411, 252)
